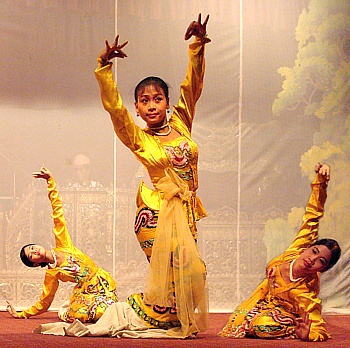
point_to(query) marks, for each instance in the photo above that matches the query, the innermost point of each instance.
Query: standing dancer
(166, 216)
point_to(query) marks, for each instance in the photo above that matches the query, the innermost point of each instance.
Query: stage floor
(18, 333)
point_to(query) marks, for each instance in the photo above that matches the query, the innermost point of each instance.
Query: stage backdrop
(275, 102)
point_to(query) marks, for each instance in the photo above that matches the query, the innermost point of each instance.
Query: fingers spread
(123, 44)
(116, 40)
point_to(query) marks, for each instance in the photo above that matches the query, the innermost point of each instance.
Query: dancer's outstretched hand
(43, 174)
(113, 51)
(196, 28)
(11, 309)
(302, 328)
(323, 171)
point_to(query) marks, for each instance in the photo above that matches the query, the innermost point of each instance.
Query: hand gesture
(43, 174)
(323, 171)
(11, 310)
(303, 325)
(114, 51)
(197, 29)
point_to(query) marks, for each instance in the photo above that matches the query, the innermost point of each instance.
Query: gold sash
(177, 274)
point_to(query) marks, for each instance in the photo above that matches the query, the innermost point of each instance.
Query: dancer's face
(313, 259)
(152, 105)
(36, 254)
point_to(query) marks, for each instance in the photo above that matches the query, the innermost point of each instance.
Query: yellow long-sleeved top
(76, 267)
(154, 155)
(295, 297)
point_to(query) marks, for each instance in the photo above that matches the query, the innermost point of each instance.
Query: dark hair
(334, 247)
(25, 259)
(152, 80)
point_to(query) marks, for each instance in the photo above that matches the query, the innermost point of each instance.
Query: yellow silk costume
(95, 289)
(271, 310)
(172, 167)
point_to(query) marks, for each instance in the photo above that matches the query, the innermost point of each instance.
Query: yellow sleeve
(143, 145)
(50, 287)
(60, 229)
(309, 302)
(191, 88)
(124, 126)
(308, 232)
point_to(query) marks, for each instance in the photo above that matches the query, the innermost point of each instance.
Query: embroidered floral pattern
(281, 325)
(90, 301)
(180, 155)
(152, 321)
(145, 218)
(74, 268)
(147, 244)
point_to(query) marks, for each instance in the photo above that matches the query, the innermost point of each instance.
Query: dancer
(286, 303)
(95, 289)
(166, 216)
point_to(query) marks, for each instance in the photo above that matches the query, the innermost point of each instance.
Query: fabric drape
(177, 274)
